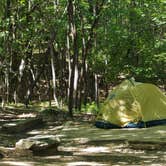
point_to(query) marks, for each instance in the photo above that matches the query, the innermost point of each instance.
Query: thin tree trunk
(53, 76)
(8, 52)
(96, 90)
(74, 70)
(86, 48)
(69, 62)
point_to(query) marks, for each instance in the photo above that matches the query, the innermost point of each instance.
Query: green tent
(138, 104)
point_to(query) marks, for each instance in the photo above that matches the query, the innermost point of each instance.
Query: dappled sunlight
(10, 124)
(125, 150)
(68, 149)
(163, 101)
(66, 129)
(136, 108)
(29, 115)
(81, 163)
(120, 163)
(161, 132)
(81, 140)
(152, 157)
(122, 108)
(83, 144)
(60, 135)
(122, 116)
(99, 149)
(34, 132)
(124, 87)
(17, 163)
(122, 102)
(44, 136)
(52, 157)
(147, 137)
(52, 128)
(106, 136)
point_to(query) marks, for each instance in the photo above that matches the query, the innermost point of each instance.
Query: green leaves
(22, 1)
(119, 38)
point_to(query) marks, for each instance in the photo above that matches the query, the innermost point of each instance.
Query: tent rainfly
(133, 105)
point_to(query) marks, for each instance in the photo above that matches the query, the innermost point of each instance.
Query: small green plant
(90, 108)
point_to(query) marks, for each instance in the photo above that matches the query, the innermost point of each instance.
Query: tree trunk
(74, 66)
(96, 90)
(86, 48)
(53, 76)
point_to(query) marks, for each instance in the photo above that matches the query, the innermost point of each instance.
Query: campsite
(81, 143)
(52, 137)
(82, 83)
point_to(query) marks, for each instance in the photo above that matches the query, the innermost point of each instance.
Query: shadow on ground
(83, 144)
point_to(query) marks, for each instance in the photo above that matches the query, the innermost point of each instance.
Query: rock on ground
(38, 143)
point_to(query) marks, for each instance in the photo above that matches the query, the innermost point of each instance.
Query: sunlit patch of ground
(115, 147)
(17, 163)
(84, 145)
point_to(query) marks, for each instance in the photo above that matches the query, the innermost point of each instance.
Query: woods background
(70, 51)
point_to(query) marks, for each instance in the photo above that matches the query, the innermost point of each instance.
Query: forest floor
(82, 144)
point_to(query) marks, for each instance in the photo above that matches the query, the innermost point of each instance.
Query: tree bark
(53, 76)
(74, 66)
(86, 48)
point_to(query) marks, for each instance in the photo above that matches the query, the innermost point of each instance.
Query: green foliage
(120, 39)
(90, 108)
(130, 35)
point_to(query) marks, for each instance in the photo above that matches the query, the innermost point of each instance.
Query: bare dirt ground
(82, 144)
